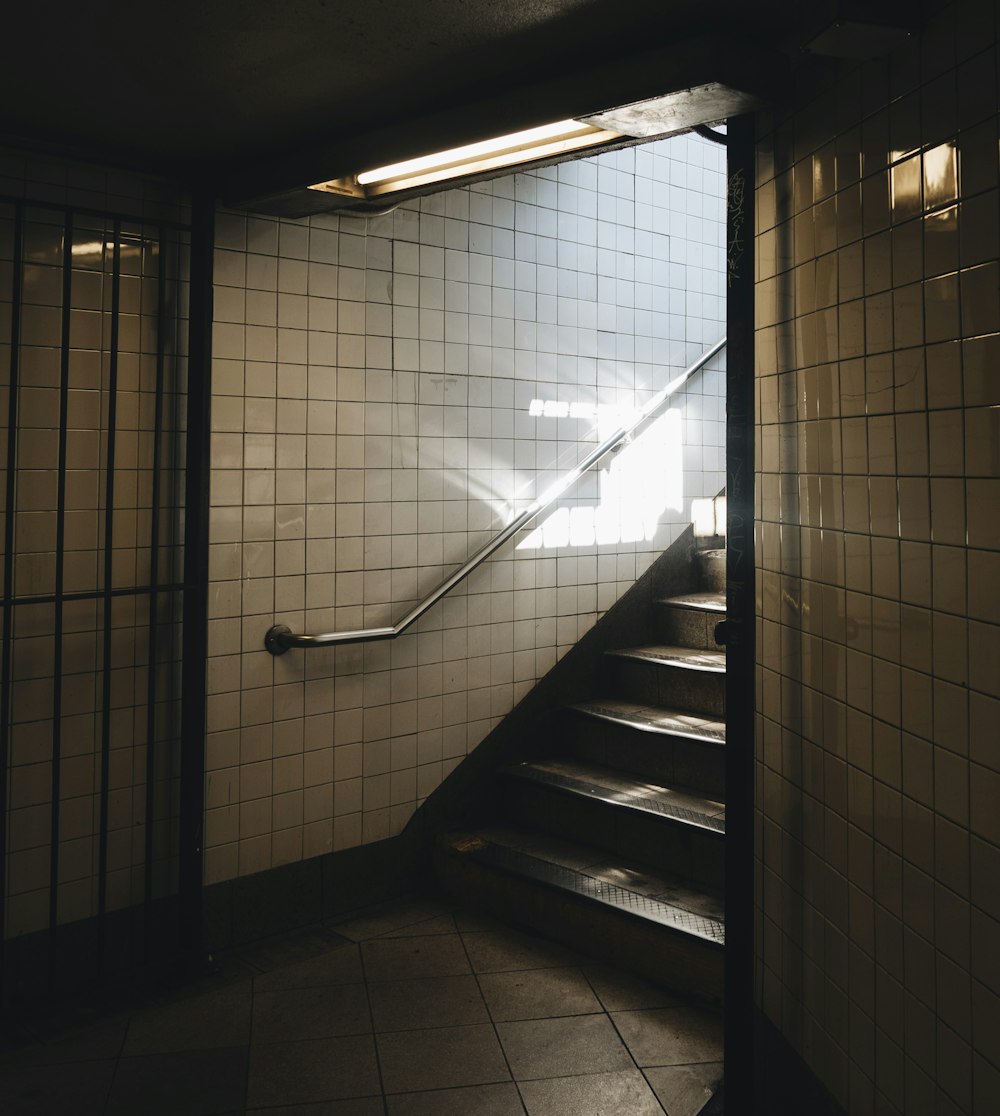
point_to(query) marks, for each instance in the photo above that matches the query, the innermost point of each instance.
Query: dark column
(195, 638)
(740, 619)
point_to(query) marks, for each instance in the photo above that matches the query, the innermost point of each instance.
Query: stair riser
(689, 965)
(689, 851)
(687, 627)
(656, 757)
(711, 566)
(671, 687)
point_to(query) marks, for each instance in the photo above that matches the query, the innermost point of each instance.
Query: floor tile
(393, 917)
(442, 924)
(337, 966)
(195, 1082)
(433, 1002)
(102, 1038)
(685, 1090)
(557, 1047)
(307, 1013)
(671, 1036)
(477, 1100)
(538, 994)
(408, 958)
(78, 1087)
(593, 1094)
(494, 951)
(355, 1106)
(312, 1070)
(620, 991)
(292, 948)
(467, 919)
(441, 1058)
(215, 1019)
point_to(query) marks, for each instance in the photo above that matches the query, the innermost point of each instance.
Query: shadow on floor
(415, 1009)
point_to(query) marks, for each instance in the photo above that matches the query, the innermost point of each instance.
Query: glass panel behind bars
(92, 368)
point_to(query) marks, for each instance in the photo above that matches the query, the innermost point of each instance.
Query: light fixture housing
(655, 117)
(547, 142)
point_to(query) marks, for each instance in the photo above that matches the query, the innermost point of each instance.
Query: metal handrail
(280, 638)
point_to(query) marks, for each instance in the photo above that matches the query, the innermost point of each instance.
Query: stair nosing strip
(639, 804)
(692, 606)
(598, 891)
(679, 663)
(622, 719)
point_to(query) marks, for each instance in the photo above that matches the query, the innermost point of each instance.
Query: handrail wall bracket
(274, 641)
(280, 638)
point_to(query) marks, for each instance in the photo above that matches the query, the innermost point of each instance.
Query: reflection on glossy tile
(940, 175)
(888, 885)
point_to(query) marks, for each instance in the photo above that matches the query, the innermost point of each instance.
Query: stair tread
(702, 602)
(654, 718)
(665, 899)
(618, 788)
(689, 658)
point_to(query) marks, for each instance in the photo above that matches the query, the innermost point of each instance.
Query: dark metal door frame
(196, 553)
(740, 620)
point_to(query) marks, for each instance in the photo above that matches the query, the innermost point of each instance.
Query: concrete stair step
(654, 923)
(689, 619)
(664, 745)
(622, 791)
(666, 828)
(711, 567)
(671, 676)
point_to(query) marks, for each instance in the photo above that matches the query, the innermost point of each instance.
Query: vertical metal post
(740, 612)
(195, 634)
(57, 666)
(154, 580)
(109, 522)
(6, 657)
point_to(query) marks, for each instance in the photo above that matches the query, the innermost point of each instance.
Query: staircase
(611, 840)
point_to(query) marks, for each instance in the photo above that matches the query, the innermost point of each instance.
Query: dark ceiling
(256, 97)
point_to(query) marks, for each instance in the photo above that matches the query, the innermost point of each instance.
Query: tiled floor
(417, 1009)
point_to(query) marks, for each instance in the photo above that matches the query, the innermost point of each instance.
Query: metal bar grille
(57, 669)
(90, 749)
(8, 564)
(154, 569)
(109, 552)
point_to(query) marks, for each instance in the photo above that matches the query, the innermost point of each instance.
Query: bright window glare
(643, 480)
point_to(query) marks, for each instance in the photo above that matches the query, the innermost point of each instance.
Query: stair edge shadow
(461, 798)
(665, 953)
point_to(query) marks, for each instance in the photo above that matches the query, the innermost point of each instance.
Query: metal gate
(93, 388)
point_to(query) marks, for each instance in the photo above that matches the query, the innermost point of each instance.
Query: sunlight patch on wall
(643, 480)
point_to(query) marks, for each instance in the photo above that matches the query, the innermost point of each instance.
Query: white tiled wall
(878, 351)
(372, 394)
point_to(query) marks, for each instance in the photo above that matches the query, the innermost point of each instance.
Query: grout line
(493, 1023)
(371, 1017)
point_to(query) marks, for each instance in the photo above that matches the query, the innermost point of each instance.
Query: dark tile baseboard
(784, 1084)
(249, 908)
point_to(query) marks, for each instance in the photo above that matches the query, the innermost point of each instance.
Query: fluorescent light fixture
(657, 116)
(530, 145)
(516, 147)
